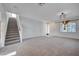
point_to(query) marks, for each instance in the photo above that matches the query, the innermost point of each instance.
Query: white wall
(4, 22)
(55, 31)
(0, 29)
(0, 23)
(31, 28)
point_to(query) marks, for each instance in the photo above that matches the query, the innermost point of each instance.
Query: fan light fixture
(65, 22)
(63, 17)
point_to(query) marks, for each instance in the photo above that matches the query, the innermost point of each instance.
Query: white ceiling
(49, 11)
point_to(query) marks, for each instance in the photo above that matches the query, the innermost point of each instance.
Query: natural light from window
(70, 27)
(13, 15)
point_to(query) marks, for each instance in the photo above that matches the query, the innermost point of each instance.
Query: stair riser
(12, 29)
(12, 36)
(11, 43)
(12, 33)
(11, 40)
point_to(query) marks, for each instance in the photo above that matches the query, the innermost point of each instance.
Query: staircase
(12, 35)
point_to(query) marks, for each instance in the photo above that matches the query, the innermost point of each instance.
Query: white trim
(19, 27)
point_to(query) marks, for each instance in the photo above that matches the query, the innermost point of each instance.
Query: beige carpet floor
(49, 46)
(44, 46)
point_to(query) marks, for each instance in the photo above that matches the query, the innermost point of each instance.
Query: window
(70, 27)
(11, 14)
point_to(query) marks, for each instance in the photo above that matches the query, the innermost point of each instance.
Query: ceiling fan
(41, 4)
(64, 20)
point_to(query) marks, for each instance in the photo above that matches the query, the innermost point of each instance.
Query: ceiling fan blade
(67, 20)
(74, 20)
